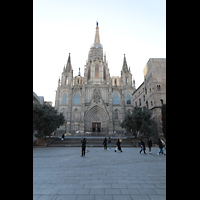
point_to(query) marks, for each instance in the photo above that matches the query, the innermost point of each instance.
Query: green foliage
(164, 119)
(46, 119)
(140, 121)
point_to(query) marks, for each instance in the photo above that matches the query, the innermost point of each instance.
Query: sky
(136, 28)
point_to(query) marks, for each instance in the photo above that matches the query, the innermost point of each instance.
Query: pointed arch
(116, 114)
(97, 110)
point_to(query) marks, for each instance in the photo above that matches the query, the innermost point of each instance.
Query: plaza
(60, 173)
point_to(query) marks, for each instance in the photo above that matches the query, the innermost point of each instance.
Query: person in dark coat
(160, 143)
(150, 144)
(105, 143)
(142, 146)
(63, 137)
(118, 145)
(83, 146)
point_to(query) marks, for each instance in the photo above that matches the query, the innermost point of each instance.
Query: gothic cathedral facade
(95, 102)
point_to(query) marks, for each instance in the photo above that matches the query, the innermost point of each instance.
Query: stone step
(91, 142)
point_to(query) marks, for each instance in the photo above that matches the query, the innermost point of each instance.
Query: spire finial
(79, 73)
(97, 38)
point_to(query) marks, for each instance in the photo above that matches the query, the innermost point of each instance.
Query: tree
(140, 121)
(164, 119)
(46, 119)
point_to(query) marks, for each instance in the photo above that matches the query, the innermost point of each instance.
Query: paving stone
(140, 197)
(112, 191)
(146, 191)
(157, 197)
(130, 191)
(48, 197)
(66, 197)
(120, 197)
(61, 173)
(103, 197)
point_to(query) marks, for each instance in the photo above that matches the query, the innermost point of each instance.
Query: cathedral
(95, 102)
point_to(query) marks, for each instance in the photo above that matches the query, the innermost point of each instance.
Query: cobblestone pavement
(60, 173)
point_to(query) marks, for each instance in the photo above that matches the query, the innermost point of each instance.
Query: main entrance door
(96, 127)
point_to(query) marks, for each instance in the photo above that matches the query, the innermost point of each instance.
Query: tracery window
(64, 98)
(76, 98)
(116, 98)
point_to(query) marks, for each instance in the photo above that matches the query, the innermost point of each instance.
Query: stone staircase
(91, 142)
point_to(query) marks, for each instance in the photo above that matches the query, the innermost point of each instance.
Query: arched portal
(96, 119)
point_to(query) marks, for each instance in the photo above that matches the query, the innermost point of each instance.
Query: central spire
(97, 38)
(96, 49)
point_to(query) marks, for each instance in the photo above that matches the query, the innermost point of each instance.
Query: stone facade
(98, 102)
(152, 92)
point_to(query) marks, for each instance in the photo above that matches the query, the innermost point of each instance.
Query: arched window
(97, 71)
(64, 98)
(76, 98)
(116, 114)
(128, 99)
(116, 98)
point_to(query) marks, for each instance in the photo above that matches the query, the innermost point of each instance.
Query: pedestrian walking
(109, 143)
(150, 144)
(161, 145)
(118, 146)
(142, 145)
(105, 143)
(83, 141)
(63, 137)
